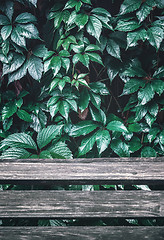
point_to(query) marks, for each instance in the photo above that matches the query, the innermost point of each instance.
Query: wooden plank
(80, 204)
(82, 233)
(84, 171)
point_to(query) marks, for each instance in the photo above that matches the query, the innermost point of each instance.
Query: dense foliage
(81, 78)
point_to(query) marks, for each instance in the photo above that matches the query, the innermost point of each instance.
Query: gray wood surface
(84, 171)
(80, 204)
(82, 233)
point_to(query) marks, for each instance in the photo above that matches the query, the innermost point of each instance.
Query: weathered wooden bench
(82, 204)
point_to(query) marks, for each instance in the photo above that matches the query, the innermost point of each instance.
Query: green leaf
(153, 133)
(146, 94)
(113, 49)
(155, 36)
(134, 70)
(22, 114)
(65, 63)
(35, 67)
(84, 99)
(148, 152)
(46, 135)
(8, 110)
(87, 144)
(134, 127)
(34, 2)
(143, 12)
(99, 88)
(130, 6)
(159, 73)
(6, 31)
(92, 47)
(133, 37)
(103, 140)
(158, 86)
(17, 38)
(28, 31)
(56, 64)
(94, 27)
(19, 140)
(127, 26)
(134, 144)
(95, 57)
(95, 99)
(116, 126)
(84, 59)
(40, 50)
(132, 86)
(60, 150)
(4, 20)
(20, 73)
(25, 18)
(120, 148)
(98, 115)
(16, 63)
(161, 137)
(83, 128)
(64, 108)
(15, 153)
(81, 20)
(101, 11)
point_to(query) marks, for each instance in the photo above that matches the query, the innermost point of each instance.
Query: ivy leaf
(15, 153)
(64, 109)
(127, 26)
(19, 140)
(95, 99)
(133, 37)
(95, 57)
(92, 47)
(158, 86)
(84, 59)
(94, 27)
(83, 128)
(25, 18)
(130, 6)
(34, 2)
(60, 150)
(98, 115)
(22, 114)
(155, 36)
(17, 38)
(116, 126)
(120, 148)
(4, 20)
(101, 11)
(16, 63)
(159, 73)
(153, 133)
(148, 152)
(20, 73)
(8, 110)
(87, 144)
(56, 64)
(81, 20)
(146, 94)
(134, 144)
(143, 12)
(132, 86)
(46, 135)
(6, 31)
(84, 99)
(28, 31)
(103, 140)
(40, 50)
(35, 67)
(113, 49)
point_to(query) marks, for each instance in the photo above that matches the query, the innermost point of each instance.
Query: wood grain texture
(80, 204)
(84, 171)
(82, 233)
